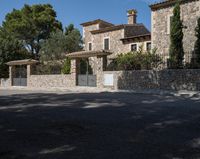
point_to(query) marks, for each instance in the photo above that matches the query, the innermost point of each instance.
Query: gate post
(100, 69)
(74, 71)
(28, 75)
(11, 72)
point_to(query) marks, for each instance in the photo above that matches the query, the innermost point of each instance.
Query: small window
(90, 46)
(106, 44)
(148, 46)
(134, 47)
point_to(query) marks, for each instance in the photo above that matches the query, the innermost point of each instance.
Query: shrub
(136, 61)
(66, 66)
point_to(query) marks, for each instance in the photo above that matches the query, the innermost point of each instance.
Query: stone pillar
(28, 75)
(11, 73)
(100, 69)
(28, 71)
(74, 71)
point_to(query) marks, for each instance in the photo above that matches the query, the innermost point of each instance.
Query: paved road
(36, 125)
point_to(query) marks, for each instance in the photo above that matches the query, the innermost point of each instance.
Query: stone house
(103, 41)
(160, 34)
(100, 35)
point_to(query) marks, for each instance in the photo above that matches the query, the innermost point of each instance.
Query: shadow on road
(99, 126)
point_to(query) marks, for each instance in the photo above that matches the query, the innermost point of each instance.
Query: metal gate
(20, 76)
(87, 80)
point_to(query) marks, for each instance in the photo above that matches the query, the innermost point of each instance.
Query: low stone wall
(50, 81)
(180, 79)
(165, 80)
(5, 82)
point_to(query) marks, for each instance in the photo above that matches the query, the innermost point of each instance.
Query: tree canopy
(74, 39)
(59, 43)
(54, 47)
(32, 25)
(34, 32)
(10, 49)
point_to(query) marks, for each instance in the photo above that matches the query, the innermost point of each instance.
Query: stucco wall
(165, 80)
(48, 81)
(190, 12)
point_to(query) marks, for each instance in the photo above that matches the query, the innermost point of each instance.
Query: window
(133, 47)
(148, 46)
(106, 44)
(169, 21)
(90, 46)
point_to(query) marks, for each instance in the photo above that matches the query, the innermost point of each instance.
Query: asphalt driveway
(36, 125)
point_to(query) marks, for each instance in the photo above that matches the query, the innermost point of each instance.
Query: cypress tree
(176, 51)
(197, 44)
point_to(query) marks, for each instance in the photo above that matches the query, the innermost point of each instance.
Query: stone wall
(87, 36)
(165, 80)
(5, 82)
(190, 12)
(50, 81)
(116, 45)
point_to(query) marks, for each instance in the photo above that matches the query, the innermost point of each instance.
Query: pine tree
(176, 38)
(197, 44)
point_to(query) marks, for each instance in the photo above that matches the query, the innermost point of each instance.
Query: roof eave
(166, 4)
(137, 38)
(22, 62)
(108, 29)
(87, 54)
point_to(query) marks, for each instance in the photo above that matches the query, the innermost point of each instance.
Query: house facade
(101, 35)
(161, 15)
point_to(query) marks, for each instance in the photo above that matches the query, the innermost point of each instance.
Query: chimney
(132, 16)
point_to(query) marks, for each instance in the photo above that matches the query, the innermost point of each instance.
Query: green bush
(136, 61)
(66, 66)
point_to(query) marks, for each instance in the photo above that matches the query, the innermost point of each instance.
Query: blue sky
(79, 11)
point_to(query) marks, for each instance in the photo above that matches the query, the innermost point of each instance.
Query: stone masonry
(116, 45)
(50, 81)
(94, 33)
(190, 12)
(160, 80)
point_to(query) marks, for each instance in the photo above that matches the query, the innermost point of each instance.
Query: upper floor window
(134, 47)
(148, 46)
(90, 46)
(106, 44)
